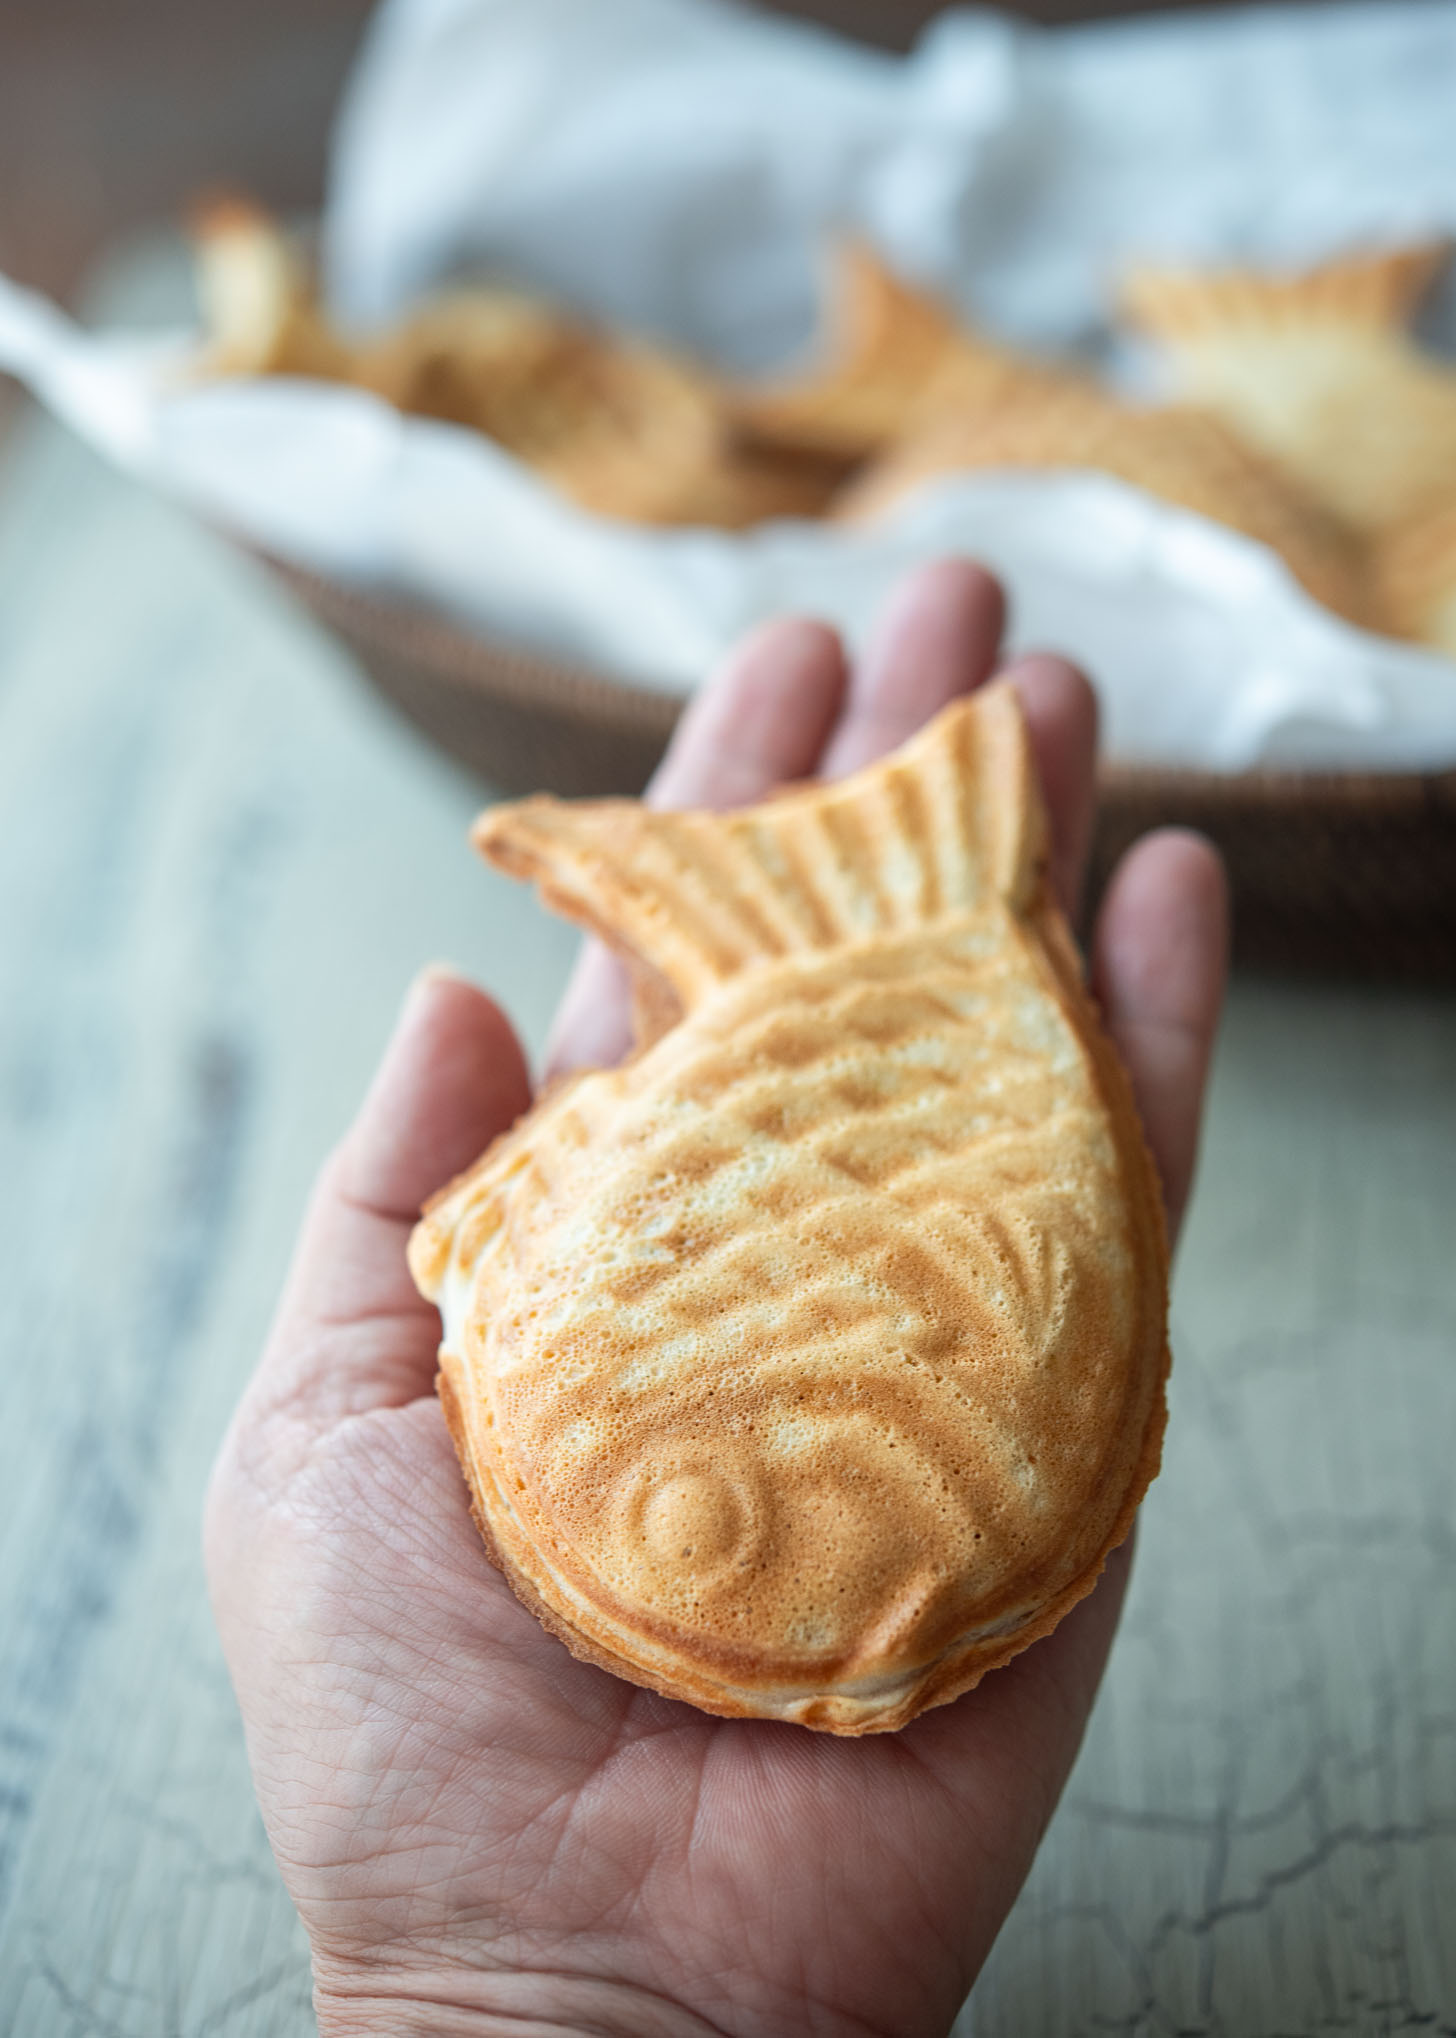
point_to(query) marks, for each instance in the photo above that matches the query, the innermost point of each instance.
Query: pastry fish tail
(950, 825)
(885, 341)
(891, 351)
(1374, 292)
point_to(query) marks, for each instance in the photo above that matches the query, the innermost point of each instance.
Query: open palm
(482, 1833)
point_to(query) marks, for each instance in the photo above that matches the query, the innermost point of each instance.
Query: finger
(1061, 720)
(451, 1078)
(352, 1331)
(937, 638)
(1159, 965)
(763, 719)
(1032, 1711)
(1003, 1752)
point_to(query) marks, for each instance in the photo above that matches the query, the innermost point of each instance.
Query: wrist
(497, 2004)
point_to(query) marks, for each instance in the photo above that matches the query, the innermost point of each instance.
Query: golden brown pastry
(497, 360)
(1416, 569)
(1319, 371)
(1321, 431)
(1182, 455)
(621, 427)
(256, 300)
(890, 350)
(735, 489)
(810, 1364)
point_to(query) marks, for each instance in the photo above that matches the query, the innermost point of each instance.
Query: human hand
(482, 1834)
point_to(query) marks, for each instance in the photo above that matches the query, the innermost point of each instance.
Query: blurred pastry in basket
(1320, 370)
(809, 1365)
(889, 353)
(1416, 567)
(737, 487)
(515, 369)
(256, 298)
(621, 427)
(618, 426)
(1179, 454)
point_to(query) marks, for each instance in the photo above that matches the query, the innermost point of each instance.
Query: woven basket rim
(476, 663)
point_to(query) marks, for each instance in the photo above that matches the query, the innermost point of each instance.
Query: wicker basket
(1346, 874)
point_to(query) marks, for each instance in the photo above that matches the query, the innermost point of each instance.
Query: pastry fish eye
(696, 1520)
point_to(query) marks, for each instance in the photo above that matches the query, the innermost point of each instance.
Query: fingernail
(441, 973)
(433, 977)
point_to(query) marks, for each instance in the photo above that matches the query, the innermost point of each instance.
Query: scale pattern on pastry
(810, 1364)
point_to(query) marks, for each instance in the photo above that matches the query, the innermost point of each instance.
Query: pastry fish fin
(1371, 292)
(886, 344)
(945, 827)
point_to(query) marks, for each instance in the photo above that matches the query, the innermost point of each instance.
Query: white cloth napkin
(675, 166)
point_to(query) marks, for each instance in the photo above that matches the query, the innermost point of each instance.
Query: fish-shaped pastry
(1176, 452)
(1320, 371)
(810, 1364)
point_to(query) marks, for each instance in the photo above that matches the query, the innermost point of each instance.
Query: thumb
(352, 1333)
